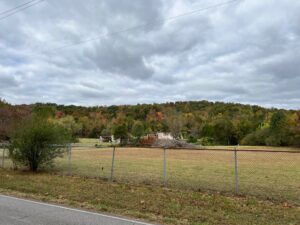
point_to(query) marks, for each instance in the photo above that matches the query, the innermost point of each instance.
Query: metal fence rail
(268, 174)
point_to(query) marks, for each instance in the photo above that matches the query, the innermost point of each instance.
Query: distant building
(164, 136)
(149, 139)
(108, 139)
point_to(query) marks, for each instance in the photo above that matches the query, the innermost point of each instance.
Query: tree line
(201, 122)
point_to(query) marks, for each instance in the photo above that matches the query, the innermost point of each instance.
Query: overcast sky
(247, 52)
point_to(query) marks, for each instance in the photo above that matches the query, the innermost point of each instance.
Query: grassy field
(274, 176)
(241, 147)
(161, 205)
(88, 140)
(93, 141)
(200, 185)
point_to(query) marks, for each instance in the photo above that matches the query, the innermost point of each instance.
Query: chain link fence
(5, 162)
(201, 169)
(272, 175)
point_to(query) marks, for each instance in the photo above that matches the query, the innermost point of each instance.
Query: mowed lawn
(273, 176)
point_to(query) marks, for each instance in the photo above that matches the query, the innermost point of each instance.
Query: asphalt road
(14, 211)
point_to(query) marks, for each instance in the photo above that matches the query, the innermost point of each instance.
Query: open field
(263, 148)
(167, 206)
(269, 175)
(88, 140)
(91, 142)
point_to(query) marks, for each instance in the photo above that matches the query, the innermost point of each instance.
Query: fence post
(235, 171)
(69, 159)
(165, 167)
(112, 164)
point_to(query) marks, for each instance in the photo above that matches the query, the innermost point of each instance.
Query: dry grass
(241, 147)
(166, 206)
(272, 176)
(139, 172)
(88, 140)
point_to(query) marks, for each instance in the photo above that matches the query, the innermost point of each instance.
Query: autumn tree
(10, 117)
(175, 124)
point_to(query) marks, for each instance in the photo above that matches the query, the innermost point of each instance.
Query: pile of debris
(167, 143)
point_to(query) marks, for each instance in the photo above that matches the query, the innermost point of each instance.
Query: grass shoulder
(156, 204)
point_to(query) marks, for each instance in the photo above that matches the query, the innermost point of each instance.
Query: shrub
(273, 141)
(207, 141)
(258, 137)
(192, 139)
(36, 143)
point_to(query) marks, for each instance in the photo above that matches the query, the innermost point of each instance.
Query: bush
(258, 137)
(192, 139)
(207, 141)
(296, 142)
(36, 143)
(273, 141)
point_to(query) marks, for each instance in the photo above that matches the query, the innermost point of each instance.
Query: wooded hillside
(204, 122)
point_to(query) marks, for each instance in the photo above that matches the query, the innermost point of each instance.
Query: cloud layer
(244, 52)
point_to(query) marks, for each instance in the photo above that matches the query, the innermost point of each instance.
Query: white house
(165, 136)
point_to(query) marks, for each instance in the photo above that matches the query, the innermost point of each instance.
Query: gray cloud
(245, 52)
(7, 82)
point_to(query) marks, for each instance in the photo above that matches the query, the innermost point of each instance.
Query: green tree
(243, 128)
(106, 132)
(121, 132)
(37, 142)
(3, 102)
(207, 130)
(280, 134)
(278, 121)
(294, 124)
(224, 132)
(69, 123)
(258, 137)
(43, 111)
(138, 130)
